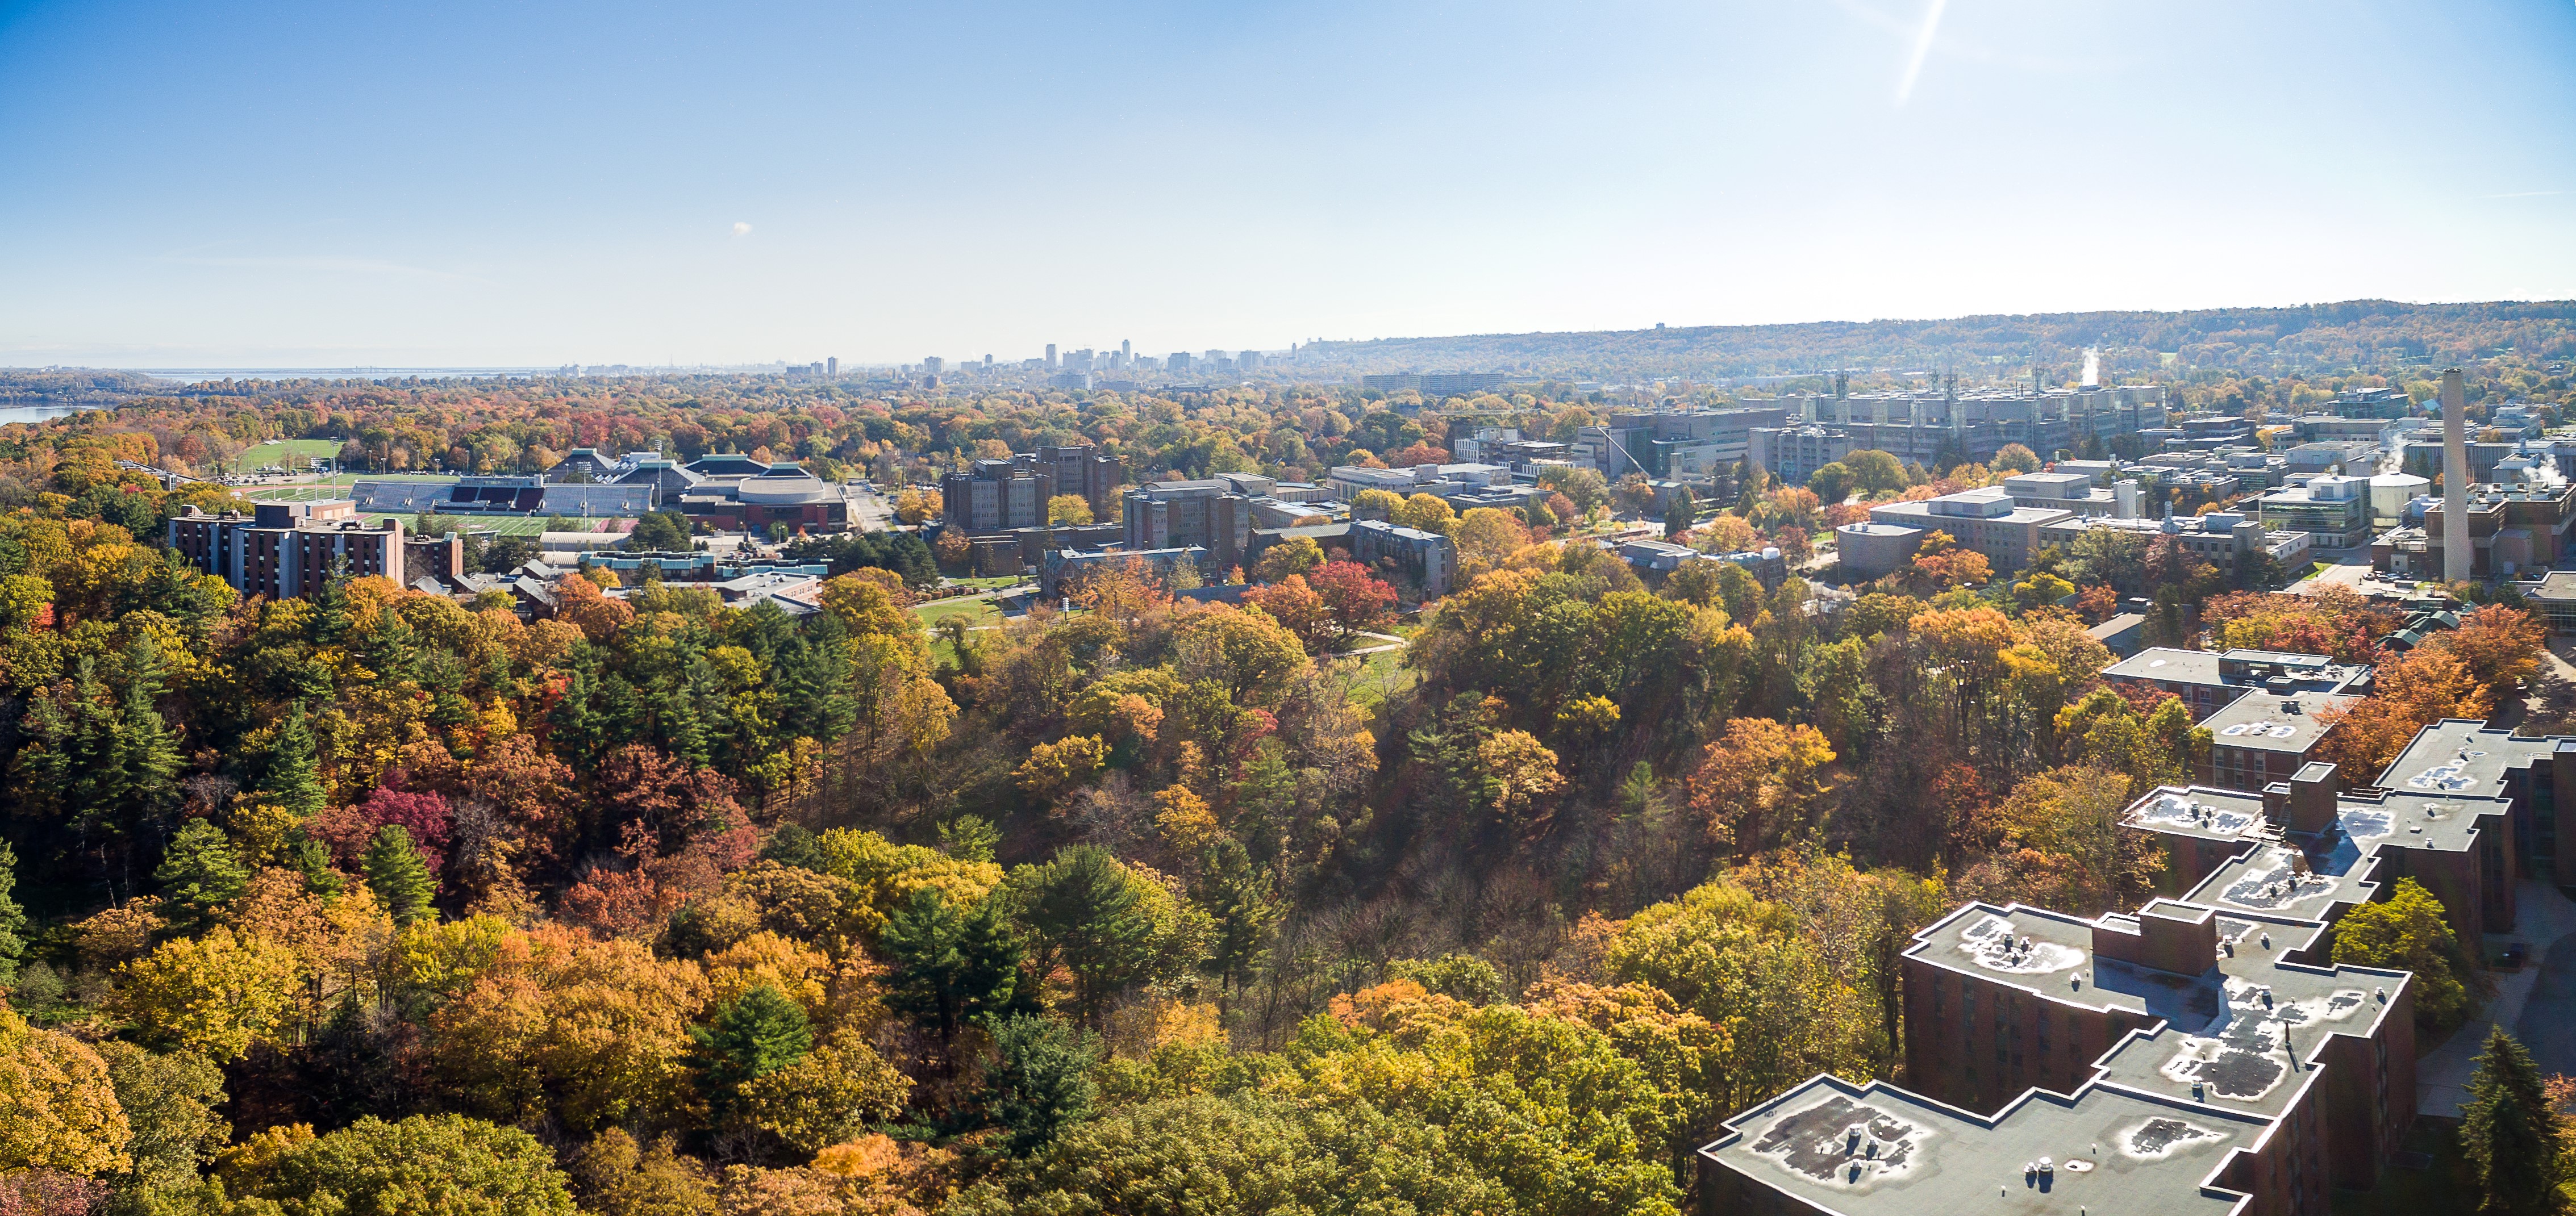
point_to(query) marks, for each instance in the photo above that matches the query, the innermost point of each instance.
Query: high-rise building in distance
(1050, 356)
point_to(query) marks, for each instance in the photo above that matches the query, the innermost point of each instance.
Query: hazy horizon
(311, 186)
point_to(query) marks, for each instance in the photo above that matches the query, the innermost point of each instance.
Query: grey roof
(2168, 663)
(2200, 812)
(2463, 756)
(2265, 722)
(2117, 1153)
(2260, 1048)
(2117, 625)
(2269, 878)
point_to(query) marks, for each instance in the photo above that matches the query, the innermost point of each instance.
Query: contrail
(1922, 48)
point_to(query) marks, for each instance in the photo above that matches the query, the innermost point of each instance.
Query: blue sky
(293, 184)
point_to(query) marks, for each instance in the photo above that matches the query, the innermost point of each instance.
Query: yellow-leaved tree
(214, 995)
(58, 1108)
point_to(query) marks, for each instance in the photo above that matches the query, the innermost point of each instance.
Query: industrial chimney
(2456, 554)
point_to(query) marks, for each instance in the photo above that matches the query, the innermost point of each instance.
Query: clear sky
(291, 183)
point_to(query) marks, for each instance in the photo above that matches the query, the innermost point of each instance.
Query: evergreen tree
(331, 608)
(147, 754)
(391, 649)
(1042, 1083)
(397, 875)
(312, 859)
(294, 776)
(13, 919)
(759, 1032)
(1681, 514)
(1237, 897)
(200, 873)
(2509, 1132)
(576, 731)
(102, 781)
(791, 845)
(1085, 912)
(952, 966)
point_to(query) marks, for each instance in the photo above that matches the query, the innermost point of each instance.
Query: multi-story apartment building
(994, 495)
(1426, 560)
(1927, 427)
(1433, 384)
(291, 550)
(1084, 470)
(1208, 514)
(2178, 1059)
(2209, 681)
(2265, 737)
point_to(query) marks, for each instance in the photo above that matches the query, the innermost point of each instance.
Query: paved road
(2539, 1000)
(2347, 571)
(2548, 1024)
(869, 512)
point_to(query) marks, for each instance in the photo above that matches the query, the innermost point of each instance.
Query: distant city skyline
(305, 185)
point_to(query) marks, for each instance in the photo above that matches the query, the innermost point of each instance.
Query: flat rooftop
(1864, 1150)
(1922, 509)
(2167, 663)
(2272, 722)
(2238, 668)
(2058, 963)
(2463, 756)
(2416, 820)
(2257, 1050)
(2301, 876)
(2200, 812)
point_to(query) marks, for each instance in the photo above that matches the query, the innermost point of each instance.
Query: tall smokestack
(2455, 478)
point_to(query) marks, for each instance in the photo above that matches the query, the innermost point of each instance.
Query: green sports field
(287, 454)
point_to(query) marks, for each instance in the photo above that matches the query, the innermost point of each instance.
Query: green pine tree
(200, 872)
(397, 875)
(148, 753)
(1237, 897)
(312, 859)
(1042, 1083)
(952, 966)
(1681, 514)
(2509, 1132)
(294, 776)
(760, 1032)
(13, 919)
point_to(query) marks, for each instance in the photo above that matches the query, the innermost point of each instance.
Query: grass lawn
(506, 525)
(284, 453)
(988, 584)
(2441, 1190)
(303, 493)
(1374, 677)
(976, 612)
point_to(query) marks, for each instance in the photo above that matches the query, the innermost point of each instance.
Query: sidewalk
(2543, 917)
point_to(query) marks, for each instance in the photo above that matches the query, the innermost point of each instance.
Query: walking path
(2523, 1003)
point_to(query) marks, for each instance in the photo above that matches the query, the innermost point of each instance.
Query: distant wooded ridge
(2353, 334)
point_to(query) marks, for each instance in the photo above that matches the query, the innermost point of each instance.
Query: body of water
(37, 413)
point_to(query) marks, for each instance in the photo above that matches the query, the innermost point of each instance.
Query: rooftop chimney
(2455, 478)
